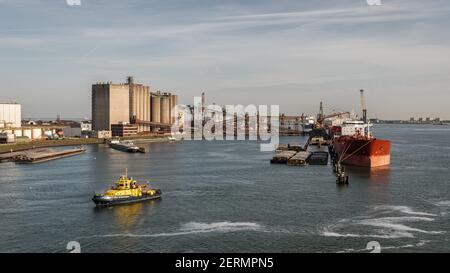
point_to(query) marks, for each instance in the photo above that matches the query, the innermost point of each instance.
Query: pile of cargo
(298, 155)
(300, 159)
(282, 157)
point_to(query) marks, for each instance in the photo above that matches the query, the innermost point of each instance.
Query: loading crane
(322, 117)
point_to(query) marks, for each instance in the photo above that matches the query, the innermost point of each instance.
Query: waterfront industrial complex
(118, 110)
(129, 108)
(133, 110)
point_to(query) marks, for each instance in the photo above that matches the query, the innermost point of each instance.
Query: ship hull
(363, 152)
(103, 202)
(124, 148)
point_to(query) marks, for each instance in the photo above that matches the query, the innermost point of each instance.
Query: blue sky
(291, 53)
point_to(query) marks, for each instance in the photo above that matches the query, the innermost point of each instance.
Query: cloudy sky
(288, 52)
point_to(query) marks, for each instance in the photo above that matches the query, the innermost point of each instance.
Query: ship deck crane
(323, 117)
(364, 113)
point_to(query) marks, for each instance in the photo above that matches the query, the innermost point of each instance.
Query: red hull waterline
(363, 152)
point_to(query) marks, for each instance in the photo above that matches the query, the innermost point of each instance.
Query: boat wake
(402, 209)
(443, 205)
(219, 227)
(383, 222)
(193, 228)
(419, 244)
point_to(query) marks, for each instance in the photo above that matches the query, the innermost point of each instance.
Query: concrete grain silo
(139, 104)
(156, 108)
(173, 103)
(165, 109)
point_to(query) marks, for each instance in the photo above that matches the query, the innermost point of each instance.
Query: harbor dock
(7, 157)
(44, 156)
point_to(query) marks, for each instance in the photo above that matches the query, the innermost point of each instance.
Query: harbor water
(225, 196)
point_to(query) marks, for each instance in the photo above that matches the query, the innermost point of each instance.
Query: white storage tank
(48, 133)
(36, 133)
(27, 133)
(18, 132)
(10, 138)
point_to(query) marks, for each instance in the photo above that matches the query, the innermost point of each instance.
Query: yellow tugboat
(126, 190)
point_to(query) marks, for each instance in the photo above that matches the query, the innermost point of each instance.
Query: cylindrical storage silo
(169, 98)
(48, 133)
(165, 109)
(36, 133)
(173, 103)
(18, 133)
(27, 133)
(156, 108)
(148, 111)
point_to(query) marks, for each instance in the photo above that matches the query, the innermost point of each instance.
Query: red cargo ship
(355, 145)
(362, 151)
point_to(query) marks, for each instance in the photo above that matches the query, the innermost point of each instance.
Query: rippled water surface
(226, 197)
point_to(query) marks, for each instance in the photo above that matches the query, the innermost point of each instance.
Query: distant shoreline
(411, 123)
(17, 147)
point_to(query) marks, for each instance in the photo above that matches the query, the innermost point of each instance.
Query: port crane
(321, 117)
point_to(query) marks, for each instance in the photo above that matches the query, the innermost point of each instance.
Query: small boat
(126, 190)
(126, 146)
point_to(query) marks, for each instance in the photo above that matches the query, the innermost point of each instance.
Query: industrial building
(72, 131)
(123, 129)
(110, 105)
(33, 132)
(132, 103)
(86, 126)
(11, 129)
(6, 138)
(10, 115)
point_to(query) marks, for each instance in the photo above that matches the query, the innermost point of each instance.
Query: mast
(364, 113)
(320, 116)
